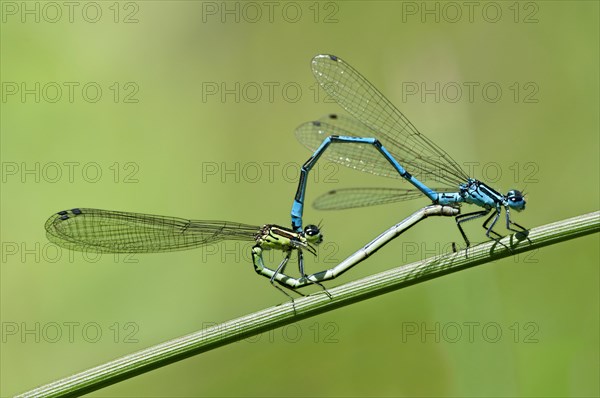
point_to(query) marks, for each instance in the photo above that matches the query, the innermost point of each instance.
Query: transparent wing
(106, 231)
(369, 107)
(349, 198)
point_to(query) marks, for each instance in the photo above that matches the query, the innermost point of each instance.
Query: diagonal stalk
(207, 339)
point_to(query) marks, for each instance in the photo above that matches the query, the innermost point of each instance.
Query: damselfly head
(313, 234)
(515, 200)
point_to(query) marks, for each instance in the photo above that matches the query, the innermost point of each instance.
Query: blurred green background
(188, 109)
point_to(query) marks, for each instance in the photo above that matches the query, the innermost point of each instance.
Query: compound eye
(516, 200)
(515, 195)
(311, 230)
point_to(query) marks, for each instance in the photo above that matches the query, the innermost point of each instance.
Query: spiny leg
(279, 270)
(509, 222)
(281, 267)
(495, 215)
(303, 274)
(260, 268)
(490, 230)
(468, 217)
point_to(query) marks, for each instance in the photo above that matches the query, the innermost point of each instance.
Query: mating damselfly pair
(379, 139)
